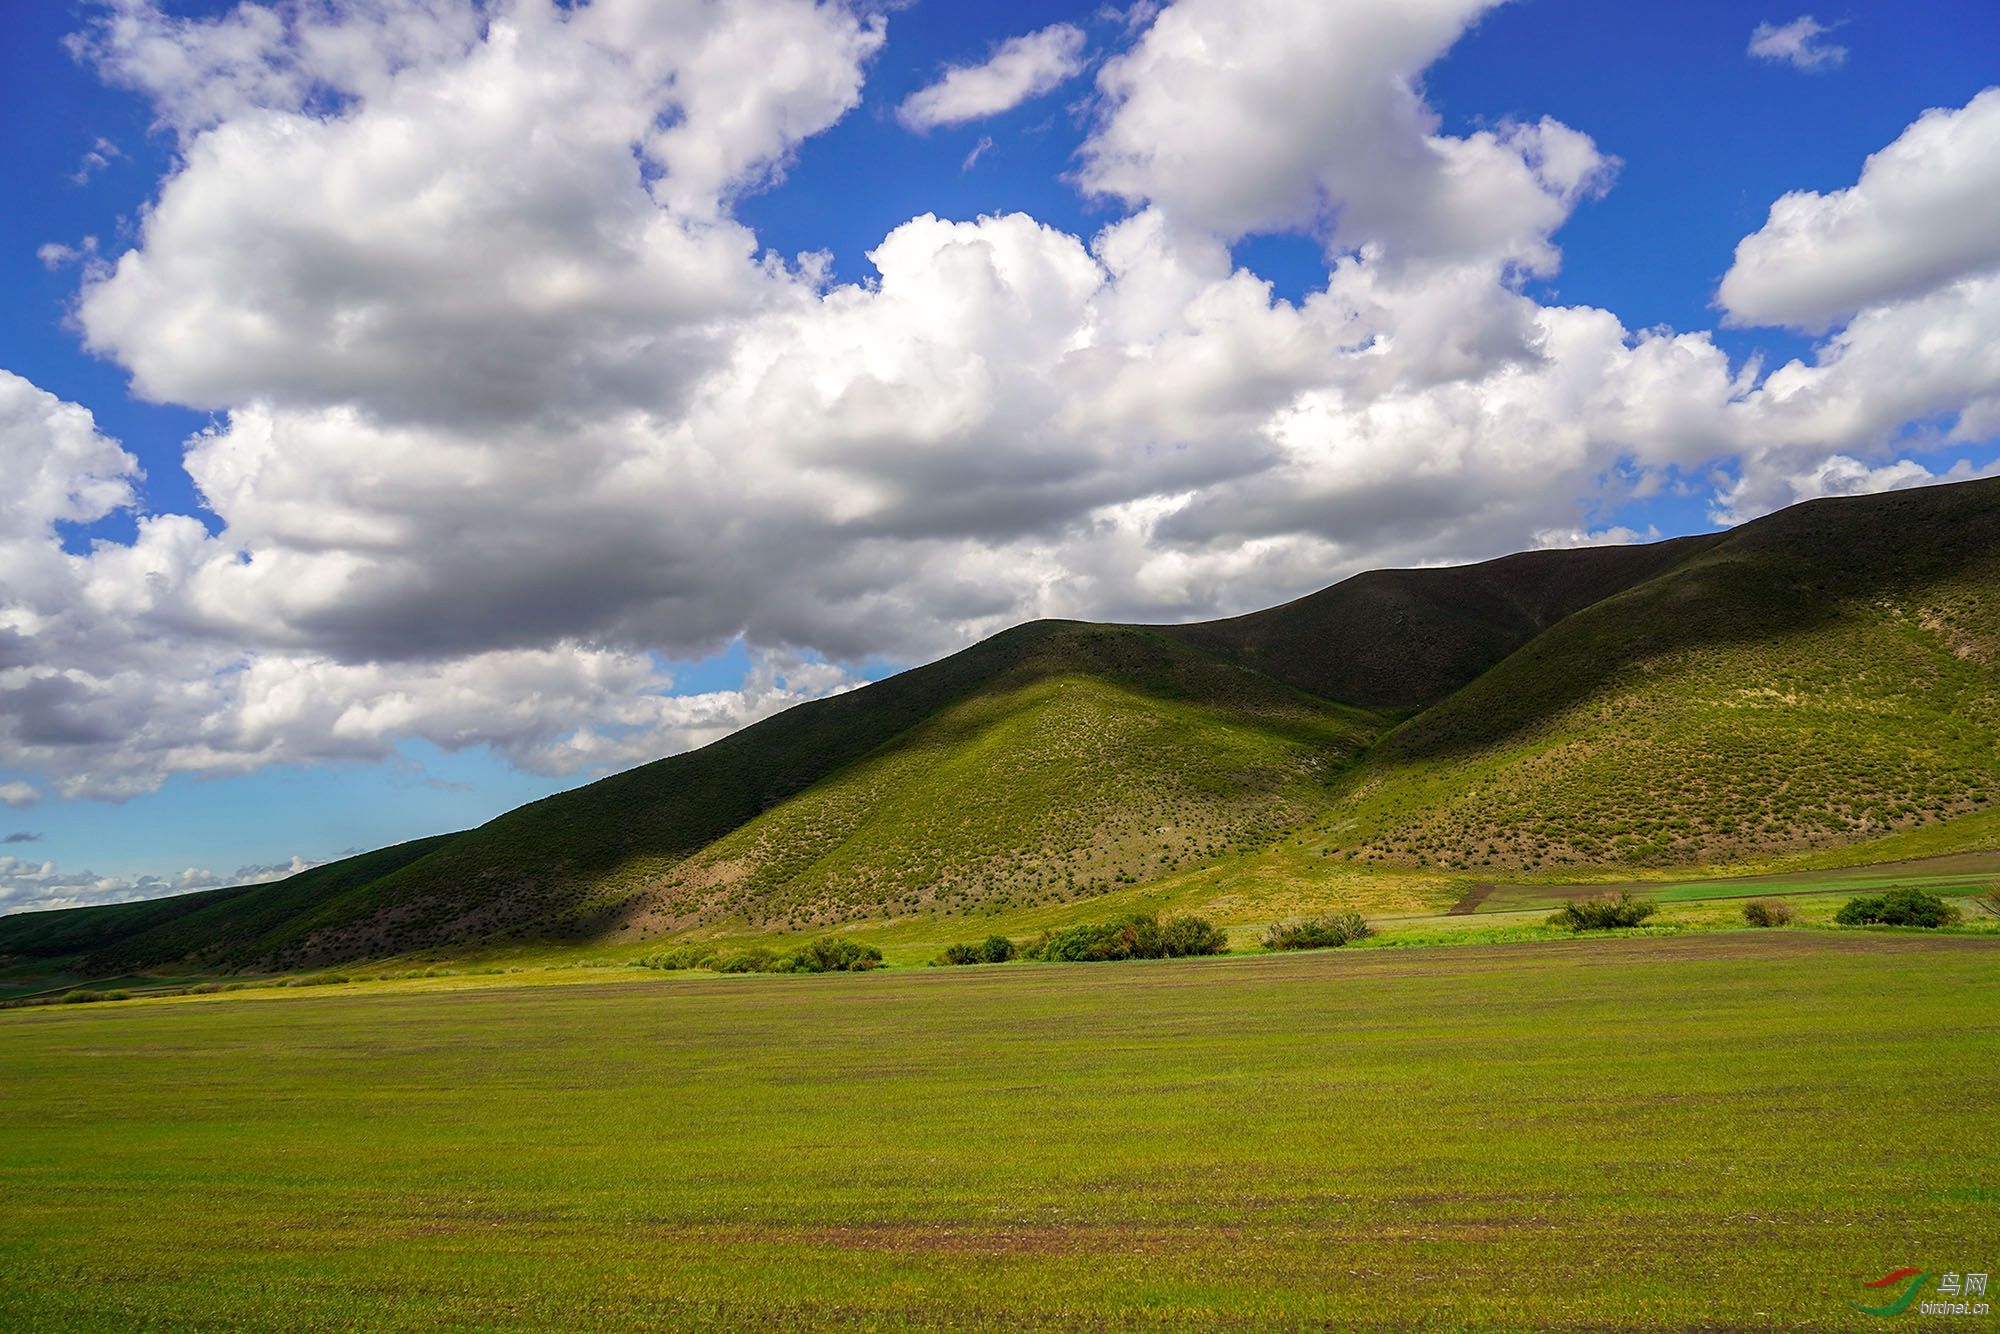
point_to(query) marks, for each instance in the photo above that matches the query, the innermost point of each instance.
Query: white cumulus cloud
(1920, 217)
(19, 795)
(1022, 68)
(1801, 44)
(1241, 116)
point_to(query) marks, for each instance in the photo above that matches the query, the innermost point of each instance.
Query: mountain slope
(1122, 757)
(1224, 752)
(1396, 641)
(1825, 675)
(1822, 677)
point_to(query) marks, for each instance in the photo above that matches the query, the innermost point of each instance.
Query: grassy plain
(1725, 1129)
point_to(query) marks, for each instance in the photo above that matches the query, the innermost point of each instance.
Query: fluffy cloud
(40, 886)
(35, 886)
(1921, 216)
(1903, 261)
(58, 468)
(1021, 69)
(1799, 44)
(495, 228)
(1269, 116)
(510, 406)
(19, 795)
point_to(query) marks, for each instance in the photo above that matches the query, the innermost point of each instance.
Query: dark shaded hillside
(1395, 641)
(1781, 578)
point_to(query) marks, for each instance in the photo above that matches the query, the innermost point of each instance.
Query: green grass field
(1729, 1130)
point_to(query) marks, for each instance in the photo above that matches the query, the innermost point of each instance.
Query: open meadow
(1716, 1129)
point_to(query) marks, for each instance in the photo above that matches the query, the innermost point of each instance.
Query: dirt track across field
(1469, 905)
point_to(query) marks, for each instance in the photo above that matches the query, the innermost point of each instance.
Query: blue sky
(410, 433)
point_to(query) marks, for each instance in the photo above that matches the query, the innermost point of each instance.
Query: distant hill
(1820, 678)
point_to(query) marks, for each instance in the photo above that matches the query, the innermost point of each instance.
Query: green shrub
(1187, 937)
(83, 996)
(1604, 913)
(1898, 907)
(1767, 912)
(993, 949)
(758, 960)
(682, 956)
(1318, 933)
(1140, 936)
(829, 954)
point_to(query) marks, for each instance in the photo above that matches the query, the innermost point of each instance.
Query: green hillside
(1115, 756)
(1816, 684)
(1828, 675)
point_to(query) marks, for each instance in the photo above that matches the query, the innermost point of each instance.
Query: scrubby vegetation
(1318, 933)
(1898, 907)
(1605, 913)
(828, 954)
(993, 949)
(1140, 936)
(1767, 912)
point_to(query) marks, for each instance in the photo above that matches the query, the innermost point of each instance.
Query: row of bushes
(1897, 907)
(1147, 936)
(1318, 933)
(1140, 936)
(828, 954)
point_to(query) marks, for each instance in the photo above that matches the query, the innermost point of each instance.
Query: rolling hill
(1813, 682)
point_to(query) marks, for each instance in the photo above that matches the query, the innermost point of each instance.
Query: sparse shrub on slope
(1898, 907)
(1318, 933)
(993, 949)
(1605, 913)
(1140, 936)
(1767, 912)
